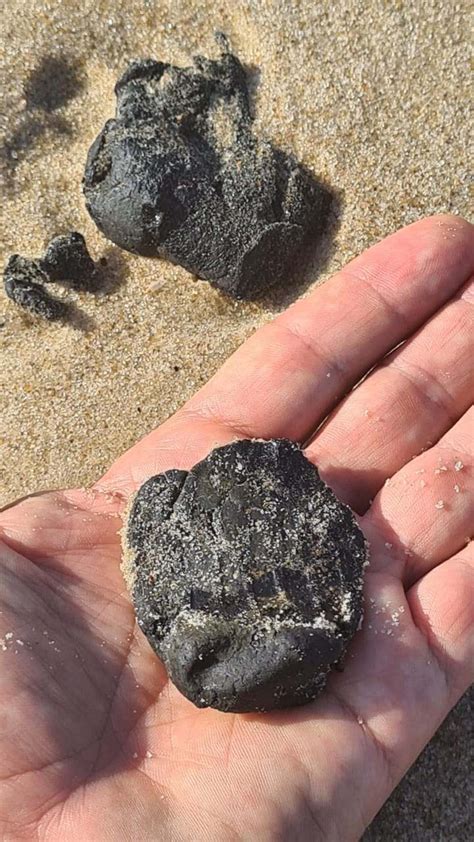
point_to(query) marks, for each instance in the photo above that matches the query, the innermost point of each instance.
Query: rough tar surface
(246, 575)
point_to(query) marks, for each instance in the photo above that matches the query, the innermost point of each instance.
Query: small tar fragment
(67, 259)
(179, 174)
(23, 281)
(246, 574)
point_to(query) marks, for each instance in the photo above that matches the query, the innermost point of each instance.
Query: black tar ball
(246, 574)
(179, 174)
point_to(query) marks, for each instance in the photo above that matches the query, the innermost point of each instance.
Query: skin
(94, 742)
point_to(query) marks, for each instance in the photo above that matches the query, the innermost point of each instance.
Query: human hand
(95, 744)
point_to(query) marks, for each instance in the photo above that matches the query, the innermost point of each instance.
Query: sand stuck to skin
(371, 96)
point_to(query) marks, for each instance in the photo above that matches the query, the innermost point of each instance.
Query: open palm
(95, 744)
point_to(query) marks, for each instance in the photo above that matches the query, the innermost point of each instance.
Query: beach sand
(371, 96)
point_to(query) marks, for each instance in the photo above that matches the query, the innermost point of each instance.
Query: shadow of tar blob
(48, 88)
(179, 174)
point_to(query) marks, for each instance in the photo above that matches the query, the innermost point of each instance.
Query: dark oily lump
(179, 174)
(246, 574)
(66, 259)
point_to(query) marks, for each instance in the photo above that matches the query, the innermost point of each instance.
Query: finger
(419, 391)
(285, 379)
(409, 667)
(425, 513)
(442, 605)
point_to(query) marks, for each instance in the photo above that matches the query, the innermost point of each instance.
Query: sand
(372, 97)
